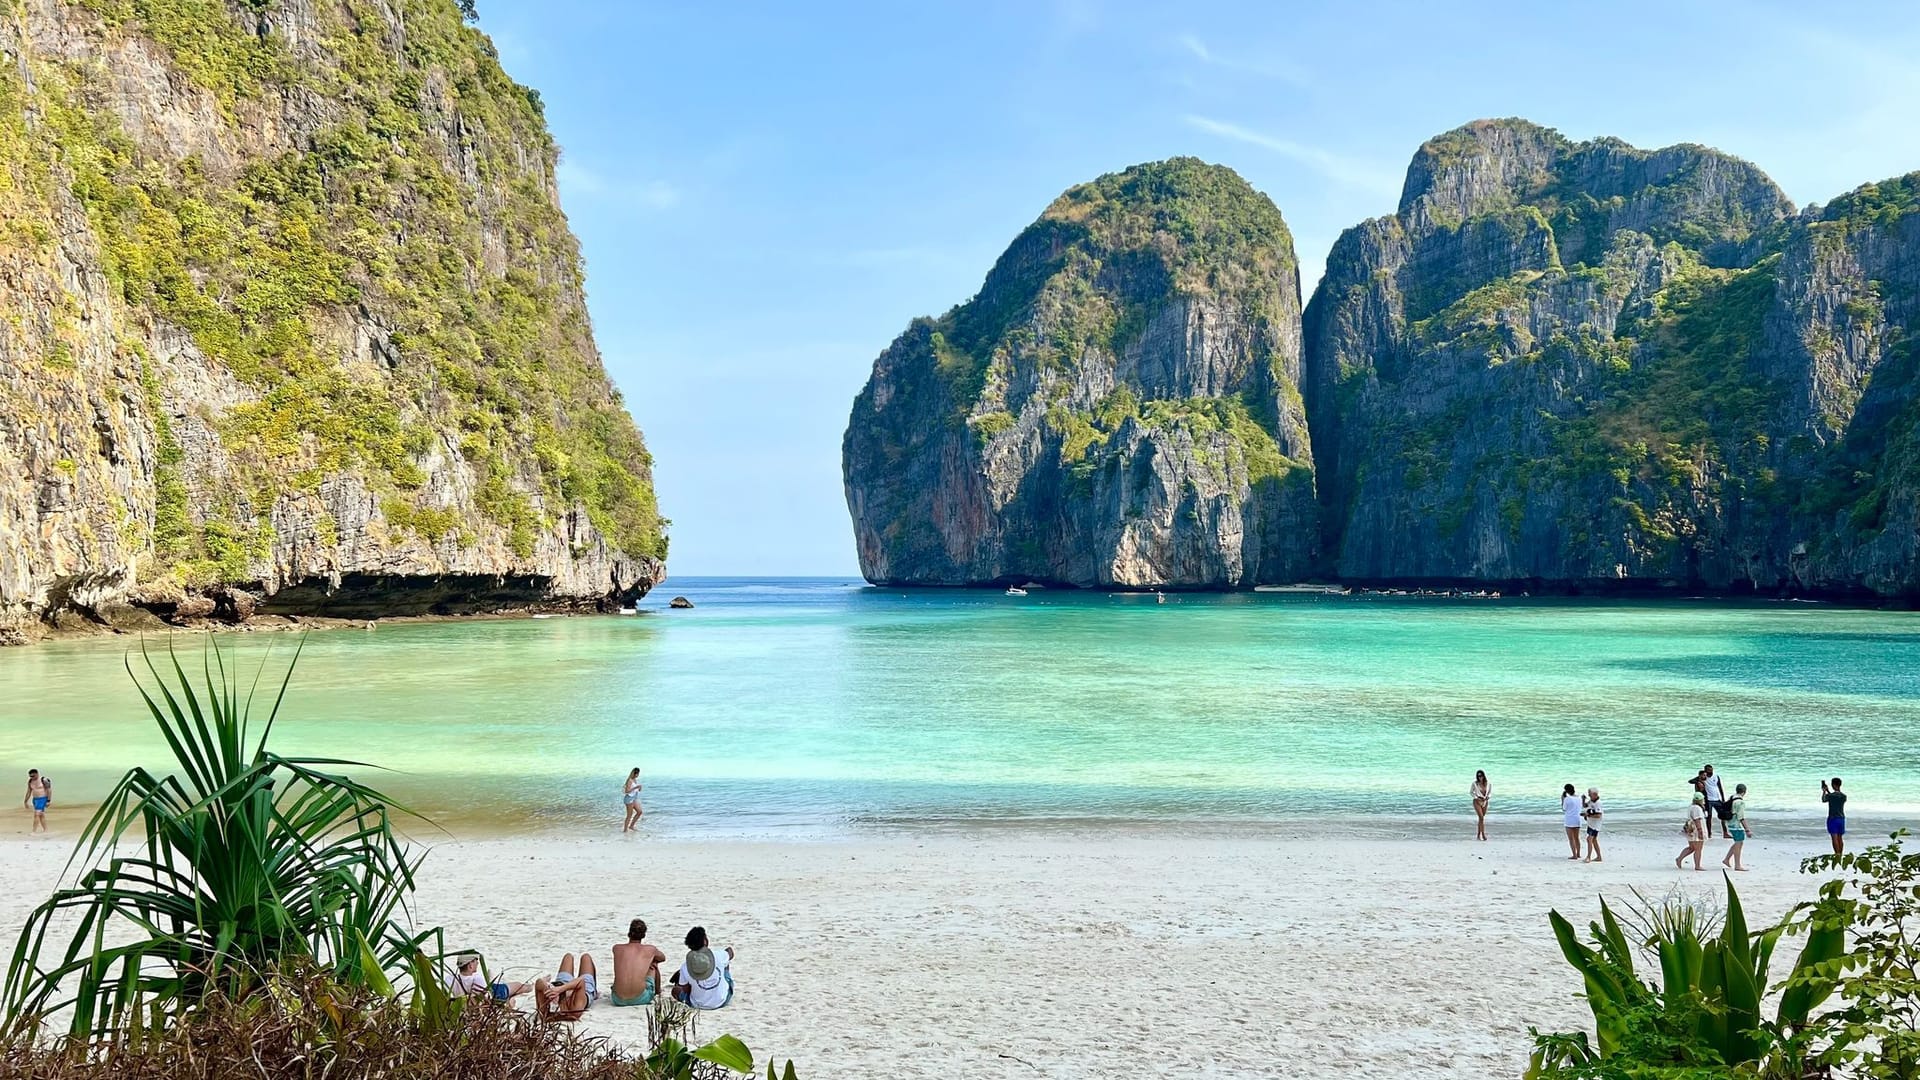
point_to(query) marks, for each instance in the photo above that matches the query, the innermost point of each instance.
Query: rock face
(1586, 365)
(1117, 406)
(1559, 365)
(294, 323)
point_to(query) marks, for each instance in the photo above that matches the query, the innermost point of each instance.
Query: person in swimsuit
(1836, 813)
(1737, 829)
(1480, 791)
(631, 798)
(37, 798)
(636, 968)
(567, 996)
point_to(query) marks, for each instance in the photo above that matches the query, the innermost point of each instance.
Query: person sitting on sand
(636, 968)
(1737, 829)
(705, 981)
(468, 981)
(1480, 791)
(566, 996)
(1570, 817)
(1590, 812)
(1695, 830)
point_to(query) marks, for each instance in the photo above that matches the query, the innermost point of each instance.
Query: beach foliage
(1704, 1016)
(240, 861)
(1873, 900)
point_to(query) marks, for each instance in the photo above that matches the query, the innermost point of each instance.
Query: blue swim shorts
(1836, 826)
(39, 802)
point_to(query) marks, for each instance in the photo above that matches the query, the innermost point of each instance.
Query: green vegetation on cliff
(419, 213)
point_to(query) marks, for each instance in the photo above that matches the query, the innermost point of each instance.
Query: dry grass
(301, 1029)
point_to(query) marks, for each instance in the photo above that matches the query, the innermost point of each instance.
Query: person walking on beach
(1480, 791)
(1590, 813)
(37, 798)
(631, 798)
(1836, 813)
(1695, 830)
(1716, 799)
(1736, 827)
(1570, 817)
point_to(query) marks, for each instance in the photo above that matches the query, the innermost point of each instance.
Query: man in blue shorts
(1836, 813)
(37, 796)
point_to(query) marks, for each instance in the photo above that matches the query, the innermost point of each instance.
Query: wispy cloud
(1282, 72)
(1333, 166)
(580, 181)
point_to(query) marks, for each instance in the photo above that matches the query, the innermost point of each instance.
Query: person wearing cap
(469, 981)
(1590, 812)
(705, 981)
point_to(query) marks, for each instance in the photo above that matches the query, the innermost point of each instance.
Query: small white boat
(1015, 590)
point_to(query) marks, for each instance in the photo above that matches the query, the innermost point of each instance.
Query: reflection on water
(803, 705)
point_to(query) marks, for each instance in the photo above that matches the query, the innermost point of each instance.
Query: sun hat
(700, 963)
(466, 958)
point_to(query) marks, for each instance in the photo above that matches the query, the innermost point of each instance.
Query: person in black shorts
(1836, 813)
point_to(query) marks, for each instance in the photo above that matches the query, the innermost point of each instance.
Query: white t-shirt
(1713, 788)
(1697, 819)
(713, 991)
(1593, 815)
(1570, 811)
(475, 983)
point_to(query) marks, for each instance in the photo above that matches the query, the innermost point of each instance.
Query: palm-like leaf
(240, 860)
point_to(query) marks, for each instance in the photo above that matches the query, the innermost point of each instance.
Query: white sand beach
(1075, 953)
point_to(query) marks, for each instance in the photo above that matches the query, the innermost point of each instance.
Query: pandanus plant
(1706, 1009)
(236, 863)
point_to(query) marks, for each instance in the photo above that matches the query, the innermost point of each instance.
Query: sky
(766, 194)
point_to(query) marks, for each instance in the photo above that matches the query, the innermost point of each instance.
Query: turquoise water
(810, 704)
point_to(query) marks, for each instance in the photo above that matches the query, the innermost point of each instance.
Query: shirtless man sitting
(636, 967)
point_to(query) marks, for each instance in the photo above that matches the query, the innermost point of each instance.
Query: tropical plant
(1874, 901)
(1704, 1017)
(242, 861)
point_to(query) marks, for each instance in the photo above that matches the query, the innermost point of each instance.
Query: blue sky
(766, 194)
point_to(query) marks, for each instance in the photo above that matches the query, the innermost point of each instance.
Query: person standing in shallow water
(631, 799)
(1836, 813)
(1480, 791)
(1570, 817)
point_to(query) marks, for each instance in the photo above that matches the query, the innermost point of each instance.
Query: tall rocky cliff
(1557, 365)
(293, 322)
(1117, 406)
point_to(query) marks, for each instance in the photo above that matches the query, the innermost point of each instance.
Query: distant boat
(1316, 590)
(1015, 590)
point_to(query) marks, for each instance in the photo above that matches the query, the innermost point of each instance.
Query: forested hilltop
(1558, 365)
(294, 323)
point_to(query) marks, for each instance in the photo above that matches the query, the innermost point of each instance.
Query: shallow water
(801, 706)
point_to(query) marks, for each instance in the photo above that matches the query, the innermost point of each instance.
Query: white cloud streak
(1333, 166)
(1282, 72)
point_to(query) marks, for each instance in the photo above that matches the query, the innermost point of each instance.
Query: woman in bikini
(1480, 791)
(632, 800)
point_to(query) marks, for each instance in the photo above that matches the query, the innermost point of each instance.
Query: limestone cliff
(1587, 365)
(1117, 406)
(293, 322)
(1559, 365)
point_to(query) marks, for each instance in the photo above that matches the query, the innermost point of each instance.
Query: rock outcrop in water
(1559, 365)
(1117, 406)
(294, 323)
